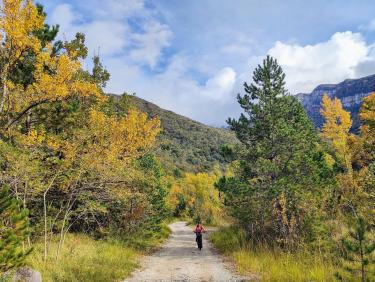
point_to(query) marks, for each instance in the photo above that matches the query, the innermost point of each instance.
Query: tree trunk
(363, 272)
(45, 216)
(62, 231)
(45, 225)
(28, 122)
(25, 206)
(5, 88)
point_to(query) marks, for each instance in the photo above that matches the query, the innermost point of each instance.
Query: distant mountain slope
(351, 93)
(185, 143)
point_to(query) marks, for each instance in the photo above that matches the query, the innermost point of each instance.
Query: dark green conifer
(14, 229)
(358, 252)
(279, 161)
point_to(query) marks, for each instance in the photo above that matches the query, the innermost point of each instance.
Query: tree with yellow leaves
(55, 76)
(336, 128)
(356, 185)
(100, 154)
(73, 156)
(112, 139)
(195, 196)
(18, 20)
(367, 113)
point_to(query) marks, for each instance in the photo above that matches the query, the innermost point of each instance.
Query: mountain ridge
(350, 91)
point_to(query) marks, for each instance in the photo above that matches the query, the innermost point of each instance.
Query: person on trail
(199, 229)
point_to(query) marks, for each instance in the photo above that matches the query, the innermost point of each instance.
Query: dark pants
(199, 240)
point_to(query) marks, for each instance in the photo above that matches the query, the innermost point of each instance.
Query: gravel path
(180, 260)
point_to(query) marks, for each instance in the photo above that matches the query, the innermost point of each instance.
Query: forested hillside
(185, 144)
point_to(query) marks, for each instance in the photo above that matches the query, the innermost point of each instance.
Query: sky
(192, 57)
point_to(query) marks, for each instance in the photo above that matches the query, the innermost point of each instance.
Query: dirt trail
(180, 260)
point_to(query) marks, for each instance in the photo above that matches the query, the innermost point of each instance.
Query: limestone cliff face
(351, 93)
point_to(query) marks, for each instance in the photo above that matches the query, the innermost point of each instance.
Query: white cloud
(173, 89)
(149, 45)
(112, 9)
(221, 84)
(344, 55)
(126, 49)
(112, 34)
(109, 36)
(124, 8)
(64, 15)
(240, 44)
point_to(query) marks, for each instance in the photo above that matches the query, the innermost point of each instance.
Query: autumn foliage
(66, 154)
(74, 160)
(195, 197)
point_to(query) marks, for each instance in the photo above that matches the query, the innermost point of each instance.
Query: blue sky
(192, 57)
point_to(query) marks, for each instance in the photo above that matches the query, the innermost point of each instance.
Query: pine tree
(358, 247)
(14, 229)
(272, 192)
(99, 74)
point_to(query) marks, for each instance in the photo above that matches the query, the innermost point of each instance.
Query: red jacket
(199, 229)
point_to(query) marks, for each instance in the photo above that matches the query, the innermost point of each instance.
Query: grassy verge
(271, 265)
(147, 241)
(85, 259)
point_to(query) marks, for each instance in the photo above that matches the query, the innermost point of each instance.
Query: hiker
(199, 229)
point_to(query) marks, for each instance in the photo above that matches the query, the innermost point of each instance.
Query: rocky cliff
(351, 93)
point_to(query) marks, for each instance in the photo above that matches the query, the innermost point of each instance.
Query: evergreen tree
(156, 191)
(279, 164)
(14, 225)
(99, 74)
(359, 248)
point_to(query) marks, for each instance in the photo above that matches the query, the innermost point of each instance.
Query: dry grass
(272, 265)
(85, 259)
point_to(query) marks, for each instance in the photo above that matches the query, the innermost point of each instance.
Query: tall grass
(84, 259)
(272, 264)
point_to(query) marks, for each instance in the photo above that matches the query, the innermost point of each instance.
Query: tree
(355, 182)
(367, 113)
(195, 196)
(279, 166)
(355, 152)
(365, 155)
(358, 249)
(99, 74)
(14, 229)
(78, 161)
(336, 128)
(18, 20)
(23, 71)
(54, 74)
(92, 166)
(156, 189)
